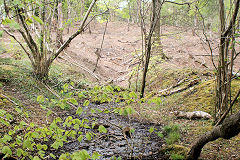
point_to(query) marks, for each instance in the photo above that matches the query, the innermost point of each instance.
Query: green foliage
(173, 133)
(177, 157)
(102, 129)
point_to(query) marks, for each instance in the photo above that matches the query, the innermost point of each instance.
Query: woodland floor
(118, 57)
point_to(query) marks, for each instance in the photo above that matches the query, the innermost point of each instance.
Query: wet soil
(116, 142)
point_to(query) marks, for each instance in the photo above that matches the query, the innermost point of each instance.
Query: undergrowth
(22, 137)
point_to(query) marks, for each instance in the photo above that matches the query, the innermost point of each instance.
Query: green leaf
(18, 110)
(81, 95)
(26, 144)
(53, 156)
(7, 138)
(6, 150)
(28, 21)
(55, 145)
(73, 101)
(37, 19)
(39, 146)
(132, 130)
(49, 113)
(6, 21)
(86, 103)
(102, 129)
(151, 129)
(44, 147)
(19, 152)
(80, 155)
(93, 111)
(96, 155)
(36, 158)
(40, 99)
(80, 138)
(160, 134)
(65, 87)
(79, 111)
(132, 95)
(88, 136)
(76, 126)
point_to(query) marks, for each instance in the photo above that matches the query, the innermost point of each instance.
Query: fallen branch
(192, 83)
(174, 86)
(9, 99)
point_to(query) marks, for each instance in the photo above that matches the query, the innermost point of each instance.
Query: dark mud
(116, 142)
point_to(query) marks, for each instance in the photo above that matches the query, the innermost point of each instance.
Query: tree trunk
(223, 86)
(149, 46)
(41, 69)
(59, 37)
(229, 128)
(158, 48)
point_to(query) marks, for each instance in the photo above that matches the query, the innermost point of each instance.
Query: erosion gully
(139, 145)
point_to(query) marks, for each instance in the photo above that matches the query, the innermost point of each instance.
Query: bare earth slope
(183, 49)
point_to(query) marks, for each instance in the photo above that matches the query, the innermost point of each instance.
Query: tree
(225, 127)
(148, 48)
(226, 60)
(40, 48)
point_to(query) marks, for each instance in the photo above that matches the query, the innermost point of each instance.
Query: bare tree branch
(80, 30)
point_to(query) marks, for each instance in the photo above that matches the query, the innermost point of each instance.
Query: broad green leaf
(88, 136)
(7, 138)
(19, 152)
(160, 134)
(26, 144)
(80, 138)
(36, 158)
(86, 103)
(96, 155)
(79, 111)
(76, 126)
(73, 101)
(53, 156)
(44, 147)
(102, 129)
(6, 150)
(151, 129)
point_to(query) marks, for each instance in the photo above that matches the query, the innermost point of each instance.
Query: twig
(9, 99)
(99, 51)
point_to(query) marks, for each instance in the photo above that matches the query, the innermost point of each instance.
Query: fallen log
(192, 115)
(228, 129)
(192, 83)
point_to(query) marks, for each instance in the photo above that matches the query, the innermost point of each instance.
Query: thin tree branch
(24, 49)
(80, 30)
(232, 22)
(228, 110)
